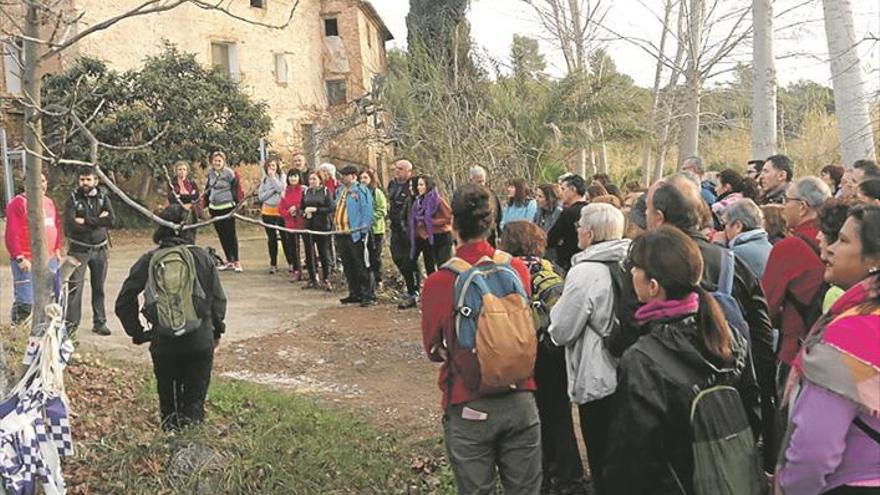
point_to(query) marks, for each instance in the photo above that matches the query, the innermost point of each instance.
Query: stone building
(315, 74)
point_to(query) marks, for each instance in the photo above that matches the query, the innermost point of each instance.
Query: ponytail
(713, 325)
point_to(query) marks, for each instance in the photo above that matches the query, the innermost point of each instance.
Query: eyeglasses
(796, 199)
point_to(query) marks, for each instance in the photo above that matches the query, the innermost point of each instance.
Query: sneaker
(327, 286)
(367, 302)
(101, 329)
(226, 267)
(312, 284)
(237, 267)
(296, 275)
(273, 270)
(350, 300)
(410, 302)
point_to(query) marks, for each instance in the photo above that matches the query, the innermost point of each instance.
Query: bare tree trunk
(652, 143)
(690, 128)
(581, 165)
(850, 99)
(602, 157)
(763, 81)
(40, 275)
(577, 38)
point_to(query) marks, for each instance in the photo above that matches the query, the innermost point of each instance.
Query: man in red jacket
(480, 431)
(794, 270)
(18, 245)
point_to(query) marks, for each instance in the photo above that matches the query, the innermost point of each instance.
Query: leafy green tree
(526, 59)
(195, 109)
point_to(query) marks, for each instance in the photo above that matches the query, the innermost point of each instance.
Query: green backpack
(172, 286)
(547, 287)
(726, 459)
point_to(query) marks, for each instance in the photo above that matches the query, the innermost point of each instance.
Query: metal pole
(262, 151)
(8, 181)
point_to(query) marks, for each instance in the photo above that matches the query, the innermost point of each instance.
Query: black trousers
(182, 381)
(375, 244)
(354, 263)
(408, 268)
(96, 262)
(595, 418)
(561, 460)
(226, 233)
(318, 249)
(434, 255)
(291, 250)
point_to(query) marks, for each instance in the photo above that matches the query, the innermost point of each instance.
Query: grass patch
(261, 441)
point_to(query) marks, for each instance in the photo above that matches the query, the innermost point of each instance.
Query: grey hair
(477, 171)
(697, 162)
(404, 163)
(812, 191)
(603, 220)
(328, 167)
(746, 212)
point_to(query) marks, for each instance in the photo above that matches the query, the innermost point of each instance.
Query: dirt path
(368, 361)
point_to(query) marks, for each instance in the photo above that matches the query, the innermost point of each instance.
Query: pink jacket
(293, 196)
(17, 237)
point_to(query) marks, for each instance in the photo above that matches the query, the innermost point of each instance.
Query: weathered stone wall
(300, 100)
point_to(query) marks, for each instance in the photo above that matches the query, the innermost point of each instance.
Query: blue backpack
(723, 295)
(494, 330)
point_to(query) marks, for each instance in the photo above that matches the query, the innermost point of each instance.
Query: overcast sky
(802, 51)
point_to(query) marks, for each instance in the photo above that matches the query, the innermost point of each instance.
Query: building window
(336, 92)
(260, 4)
(281, 68)
(223, 57)
(12, 57)
(331, 27)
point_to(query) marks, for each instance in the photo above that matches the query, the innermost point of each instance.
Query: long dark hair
(521, 191)
(868, 219)
(673, 259)
(293, 173)
(430, 185)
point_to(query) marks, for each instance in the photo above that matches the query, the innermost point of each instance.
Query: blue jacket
(754, 249)
(359, 208)
(707, 192)
(514, 212)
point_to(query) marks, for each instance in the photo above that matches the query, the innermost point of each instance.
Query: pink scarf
(671, 308)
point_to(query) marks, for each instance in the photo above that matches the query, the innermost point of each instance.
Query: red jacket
(18, 241)
(437, 323)
(793, 270)
(292, 196)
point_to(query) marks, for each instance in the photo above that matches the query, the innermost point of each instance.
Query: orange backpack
(493, 324)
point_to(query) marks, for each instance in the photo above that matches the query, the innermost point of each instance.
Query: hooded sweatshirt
(650, 422)
(754, 248)
(271, 188)
(583, 316)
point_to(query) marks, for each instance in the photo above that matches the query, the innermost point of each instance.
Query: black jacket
(650, 418)
(399, 199)
(776, 196)
(320, 199)
(128, 309)
(563, 235)
(747, 291)
(89, 208)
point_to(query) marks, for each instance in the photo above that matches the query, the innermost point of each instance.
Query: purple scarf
(662, 310)
(423, 209)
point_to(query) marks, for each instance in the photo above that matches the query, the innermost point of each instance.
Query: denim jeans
(23, 289)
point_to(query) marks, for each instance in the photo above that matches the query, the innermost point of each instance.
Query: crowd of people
(718, 334)
(713, 330)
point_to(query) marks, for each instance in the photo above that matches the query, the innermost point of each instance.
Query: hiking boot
(226, 267)
(101, 329)
(409, 302)
(237, 267)
(367, 302)
(350, 300)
